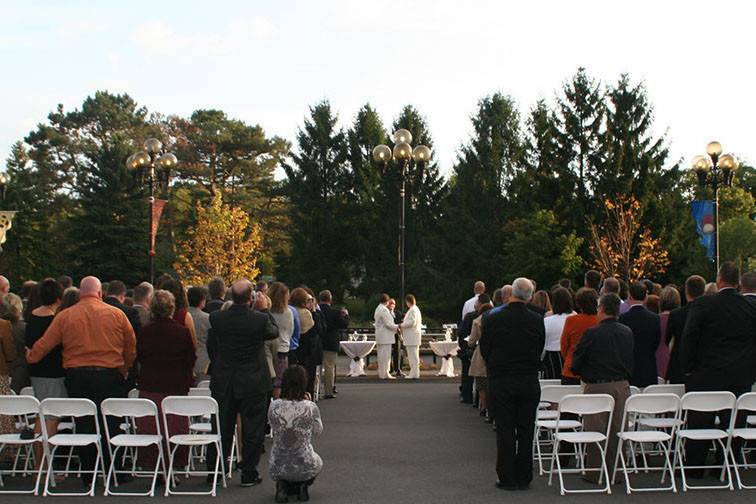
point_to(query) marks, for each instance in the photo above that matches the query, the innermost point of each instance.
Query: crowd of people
(607, 336)
(258, 345)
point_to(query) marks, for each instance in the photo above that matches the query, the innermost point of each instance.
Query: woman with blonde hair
(279, 347)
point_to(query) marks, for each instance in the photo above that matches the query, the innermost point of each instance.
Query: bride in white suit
(411, 335)
(385, 329)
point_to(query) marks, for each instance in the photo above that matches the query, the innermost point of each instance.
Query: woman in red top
(586, 300)
(181, 313)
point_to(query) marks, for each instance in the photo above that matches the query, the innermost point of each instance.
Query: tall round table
(357, 351)
(445, 350)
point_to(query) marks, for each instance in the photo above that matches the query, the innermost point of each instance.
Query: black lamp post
(403, 153)
(152, 167)
(716, 171)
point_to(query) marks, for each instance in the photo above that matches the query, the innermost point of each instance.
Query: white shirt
(554, 324)
(411, 327)
(285, 323)
(469, 306)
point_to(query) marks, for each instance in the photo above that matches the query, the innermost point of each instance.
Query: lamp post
(716, 171)
(403, 153)
(152, 167)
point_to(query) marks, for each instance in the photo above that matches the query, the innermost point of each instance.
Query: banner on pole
(703, 214)
(6, 222)
(157, 211)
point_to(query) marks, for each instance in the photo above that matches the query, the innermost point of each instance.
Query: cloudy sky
(266, 62)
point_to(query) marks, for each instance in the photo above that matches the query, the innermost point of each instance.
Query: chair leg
(111, 470)
(169, 480)
(604, 467)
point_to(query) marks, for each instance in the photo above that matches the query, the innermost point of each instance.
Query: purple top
(662, 352)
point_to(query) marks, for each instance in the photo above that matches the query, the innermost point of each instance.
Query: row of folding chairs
(24, 407)
(657, 417)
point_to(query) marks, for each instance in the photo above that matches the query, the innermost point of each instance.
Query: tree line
(530, 193)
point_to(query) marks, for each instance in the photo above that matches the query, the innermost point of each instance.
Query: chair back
(652, 404)
(134, 393)
(189, 406)
(555, 393)
(199, 392)
(666, 388)
(586, 404)
(549, 382)
(18, 405)
(634, 390)
(708, 401)
(204, 384)
(27, 391)
(747, 403)
(135, 408)
(61, 407)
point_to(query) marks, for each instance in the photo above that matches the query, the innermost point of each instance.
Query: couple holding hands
(410, 335)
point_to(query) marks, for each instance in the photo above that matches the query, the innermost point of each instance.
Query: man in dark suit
(694, 288)
(463, 331)
(335, 321)
(240, 380)
(511, 343)
(717, 352)
(646, 335)
(115, 296)
(216, 289)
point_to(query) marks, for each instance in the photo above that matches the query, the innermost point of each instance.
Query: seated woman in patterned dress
(294, 420)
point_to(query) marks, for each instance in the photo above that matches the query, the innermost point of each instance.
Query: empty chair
(636, 406)
(21, 407)
(26, 391)
(583, 405)
(132, 408)
(703, 402)
(193, 407)
(204, 384)
(546, 423)
(739, 436)
(76, 408)
(666, 388)
(634, 390)
(546, 383)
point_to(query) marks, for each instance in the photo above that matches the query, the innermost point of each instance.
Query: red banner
(157, 211)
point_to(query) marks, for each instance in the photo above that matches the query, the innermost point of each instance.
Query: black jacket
(675, 328)
(235, 344)
(646, 337)
(131, 313)
(720, 336)
(213, 305)
(511, 341)
(604, 353)
(334, 322)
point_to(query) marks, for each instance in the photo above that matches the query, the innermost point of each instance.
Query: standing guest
(385, 330)
(28, 290)
(47, 376)
(496, 298)
(748, 285)
(478, 288)
(261, 288)
(116, 296)
(240, 382)
(70, 297)
(464, 329)
(335, 322)
(4, 286)
(646, 330)
(166, 358)
(411, 329)
(294, 420)
(506, 294)
(396, 354)
(216, 288)
(309, 339)
(542, 301)
(612, 286)
(554, 326)
(511, 343)
(195, 296)
(711, 289)
(477, 363)
(669, 299)
(653, 303)
(694, 289)
(99, 347)
(142, 299)
(65, 281)
(181, 315)
(11, 307)
(574, 328)
(284, 319)
(604, 361)
(717, 352)
(592, 280)
(7, 356)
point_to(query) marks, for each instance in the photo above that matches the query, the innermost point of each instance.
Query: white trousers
(384, 361)
(413, 356)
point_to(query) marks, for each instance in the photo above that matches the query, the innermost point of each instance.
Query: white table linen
(357, 351)
(445, 350)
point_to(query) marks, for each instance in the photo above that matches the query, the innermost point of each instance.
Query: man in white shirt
(385, 329)
(469, 306)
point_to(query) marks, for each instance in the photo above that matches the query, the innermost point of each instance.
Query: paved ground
(412, 442)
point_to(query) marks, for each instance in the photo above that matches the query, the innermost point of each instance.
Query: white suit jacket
(385, 329)
(411, 332)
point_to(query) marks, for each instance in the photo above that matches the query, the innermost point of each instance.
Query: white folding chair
(133, 394)
(582, 405)
(634, 390)
(635, 407)
(20, 407)
(708, 402)
(26, 391)
(72, 408)
(746, 403)
(193, 407)
(204, 384)
(132, 408)
(546, 421)
(666, 388)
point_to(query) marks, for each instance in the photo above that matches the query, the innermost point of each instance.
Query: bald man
(478, 288)
(99, 347)
(240, 379)
(4, 286)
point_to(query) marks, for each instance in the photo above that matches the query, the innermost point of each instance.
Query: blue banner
(703, 214)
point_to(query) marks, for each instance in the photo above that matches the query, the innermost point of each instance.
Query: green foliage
(737, 238)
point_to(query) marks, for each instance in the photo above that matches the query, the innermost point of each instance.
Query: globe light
(4, 179)
(701, 164)
(167, 160)
(402, 136)
(130, 162)
(141, 158)
(382, 154)
(153, 145)
(402, 151)
(728, 162)
(714, 148)
(421, 154)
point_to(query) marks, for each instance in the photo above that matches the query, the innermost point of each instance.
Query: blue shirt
(294, 343)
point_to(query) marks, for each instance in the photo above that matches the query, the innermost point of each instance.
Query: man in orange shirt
(99, 346)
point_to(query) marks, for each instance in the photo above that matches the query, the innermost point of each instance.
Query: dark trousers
(736, 380)
(466, 385)
(95, 385)
(515, 399)
(253, 411)
(396, 357)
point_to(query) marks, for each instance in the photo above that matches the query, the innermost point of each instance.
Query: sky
(267, 62)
